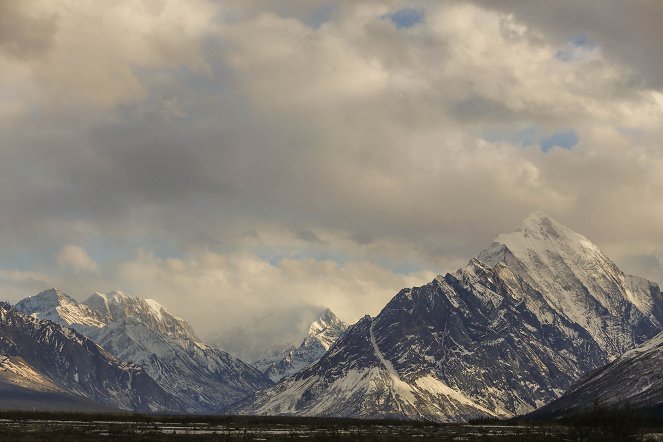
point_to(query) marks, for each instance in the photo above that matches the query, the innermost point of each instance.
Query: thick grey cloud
(233, 158)
(24, 35)
(626, 30)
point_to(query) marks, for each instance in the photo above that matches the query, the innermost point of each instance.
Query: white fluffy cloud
(219, 289)
(76, 258)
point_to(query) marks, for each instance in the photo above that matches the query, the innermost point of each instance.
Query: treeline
(208, 419)
(619, 416)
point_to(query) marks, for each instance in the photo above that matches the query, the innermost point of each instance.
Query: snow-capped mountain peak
(57, 306)
(45, 356)
(117, 305)
(157, 309)
(578, 280)
(322, 334)
(540, 233)
(327, 328)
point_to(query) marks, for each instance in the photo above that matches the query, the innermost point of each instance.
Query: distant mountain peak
(53, 296)
(117, 305)
(57, 306)
(119, 294)
(326, 320)
(322, 334)
(143, 332)
(43, 356)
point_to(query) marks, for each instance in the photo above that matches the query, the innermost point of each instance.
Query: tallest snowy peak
(537, 217)
(577, 280)
(539, 233)
(540, 223)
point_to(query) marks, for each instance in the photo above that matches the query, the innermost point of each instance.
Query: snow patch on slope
(400, 388)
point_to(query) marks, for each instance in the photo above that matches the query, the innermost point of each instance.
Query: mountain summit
(117, 306)
(580, 282)
(56, 306)
(504, 335)
(322, 334)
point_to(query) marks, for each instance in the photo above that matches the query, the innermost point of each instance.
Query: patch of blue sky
(406, 18)
(565, 140)
(533, 136)
(26, 261)
(275, 257)
(578, 47)
(526, 136)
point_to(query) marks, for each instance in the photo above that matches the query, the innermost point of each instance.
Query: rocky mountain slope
(322, 334)
(508, 333)
(634, 379)
(146, 334)
(42, 358)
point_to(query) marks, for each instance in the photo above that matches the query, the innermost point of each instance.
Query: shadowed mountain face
(504, 335)
(635, 379)
(142, 332)
(47, 359)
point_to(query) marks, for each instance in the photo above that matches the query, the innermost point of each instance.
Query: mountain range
(144, 333)
(539, 320)
(504, 335)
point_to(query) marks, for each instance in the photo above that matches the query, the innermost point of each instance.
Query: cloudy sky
(234, 158)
